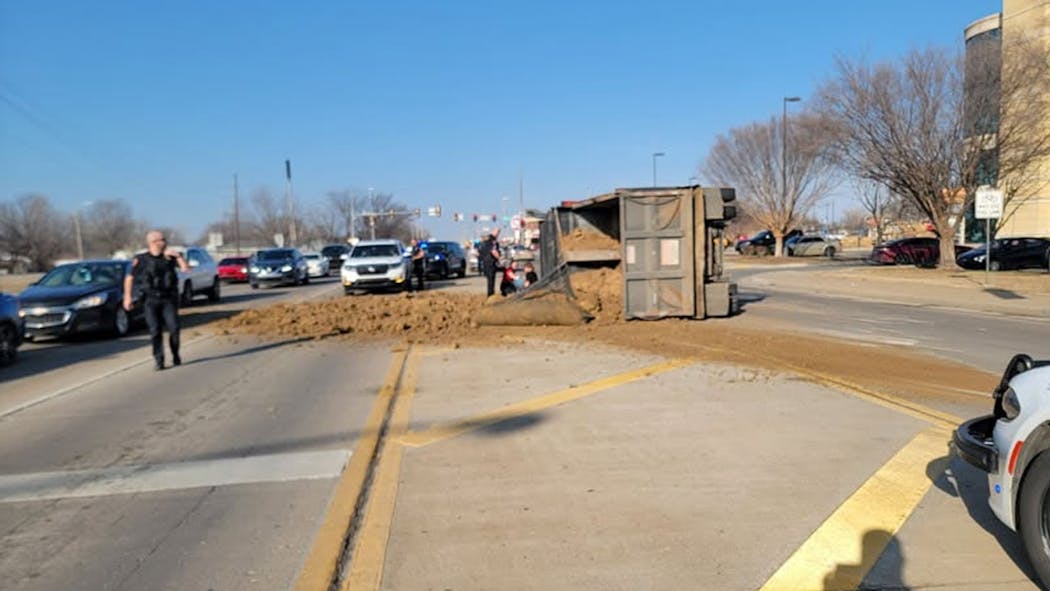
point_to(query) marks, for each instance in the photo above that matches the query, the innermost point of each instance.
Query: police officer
(156, 272)
(419, 260)
(489, 259)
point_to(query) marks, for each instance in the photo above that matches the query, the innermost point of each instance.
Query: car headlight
(244, 269)
(21, 313)
(286, 268)
(254, 269)
(348, 268)
(91, 301)
(979, 258)
(1011, 405)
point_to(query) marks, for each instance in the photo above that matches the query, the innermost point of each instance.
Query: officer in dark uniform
(156, 272)
(419, 261)
(489, 260)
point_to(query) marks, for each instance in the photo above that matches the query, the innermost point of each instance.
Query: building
(1027, 215)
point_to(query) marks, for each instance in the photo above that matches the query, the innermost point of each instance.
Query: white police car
(1013, 446)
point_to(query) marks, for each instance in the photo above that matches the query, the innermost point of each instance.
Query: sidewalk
(1013, 293)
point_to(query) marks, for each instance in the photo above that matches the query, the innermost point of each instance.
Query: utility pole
(236, 216)
(291, 204)
(80, 239)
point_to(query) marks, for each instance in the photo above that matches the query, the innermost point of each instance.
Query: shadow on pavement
(877, 547)
(510, 425)
(248, 351)
(1004, 294)
(962, 481)
(315, 442)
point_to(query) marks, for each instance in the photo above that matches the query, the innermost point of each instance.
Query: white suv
(202, 278)
(1013, 446)
(376, 264)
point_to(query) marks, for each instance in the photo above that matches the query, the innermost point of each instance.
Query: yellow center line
(319, 568)
(839, 554)
(369, 554)
(459, 427)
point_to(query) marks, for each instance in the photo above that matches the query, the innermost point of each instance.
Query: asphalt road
(984, 340)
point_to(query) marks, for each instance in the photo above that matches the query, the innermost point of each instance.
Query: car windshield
(312, 257)
(332, 250)
(436, 247)
(273, 255)
(375, 250)
(75, 274)
(233, 261)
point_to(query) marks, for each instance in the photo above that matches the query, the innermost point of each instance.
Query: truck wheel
(8, 344)
(187, 295)
(121, 322)
(215, 292)
(1033, 516)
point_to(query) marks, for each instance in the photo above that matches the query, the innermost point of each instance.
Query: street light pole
(80, 239)
(783, 147)
(655, 155)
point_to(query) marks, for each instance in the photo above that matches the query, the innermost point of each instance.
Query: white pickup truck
(1013, 446)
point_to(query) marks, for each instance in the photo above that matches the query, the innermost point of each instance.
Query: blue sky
(159, 103)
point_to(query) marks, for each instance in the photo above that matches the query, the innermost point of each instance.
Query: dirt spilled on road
(429, 316)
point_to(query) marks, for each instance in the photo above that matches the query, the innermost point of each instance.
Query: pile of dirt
(580, 239)
(547, 308)
(426, 317)
(600, 292)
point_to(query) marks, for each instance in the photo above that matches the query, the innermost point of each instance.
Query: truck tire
(1033, 515)
(8, 343)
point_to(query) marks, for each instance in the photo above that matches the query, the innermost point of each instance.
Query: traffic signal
(718, 205)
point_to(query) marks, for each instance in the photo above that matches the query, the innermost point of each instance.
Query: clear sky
(438, 102)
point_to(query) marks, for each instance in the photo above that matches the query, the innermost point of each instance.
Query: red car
(233, 269)
(910, 251)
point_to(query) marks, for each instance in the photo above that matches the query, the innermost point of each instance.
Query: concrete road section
(981, 339)
(213, 475)
(575, 467)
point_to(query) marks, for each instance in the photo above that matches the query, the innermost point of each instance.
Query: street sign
(515, 222)
(988, 204)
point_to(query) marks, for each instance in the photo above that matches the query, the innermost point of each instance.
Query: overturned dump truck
(661, 246)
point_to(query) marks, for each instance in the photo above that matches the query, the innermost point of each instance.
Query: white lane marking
(41, 486)
(867, 337)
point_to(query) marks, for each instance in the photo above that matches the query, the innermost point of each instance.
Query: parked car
(233, 269)
(201, 279)
(763, 243)
(824, 246)
(316, 265)
(86, 296)
(444, 259)
(336, 254)
(910, 251)
(1013, 446)
(376, 264)
(277, 266)
(1009, 253)
(11, 329)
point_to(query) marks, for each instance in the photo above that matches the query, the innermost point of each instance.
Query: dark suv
(335, 253)
(763, 243)
(445, 258)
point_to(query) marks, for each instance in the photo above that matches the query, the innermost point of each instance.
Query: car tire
(748, 250)
(462, 271)
(186, 299)
(215, 292)
(254, 285)
(1033, 514)
(829, 252)
(995, 266)
(762, 251)
(306, 278)
(8, 344)
(121, 322)
(444, 271)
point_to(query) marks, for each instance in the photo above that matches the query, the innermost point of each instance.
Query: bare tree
(390, 218)
(874, 198)
(109, 226)
(268, 218)
(32, 228)
(932, 127)
(349, 204)
(325, 223)
(752, 159)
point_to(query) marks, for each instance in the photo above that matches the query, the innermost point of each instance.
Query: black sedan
(278, 266)
(86, 296)
(1009, 253)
